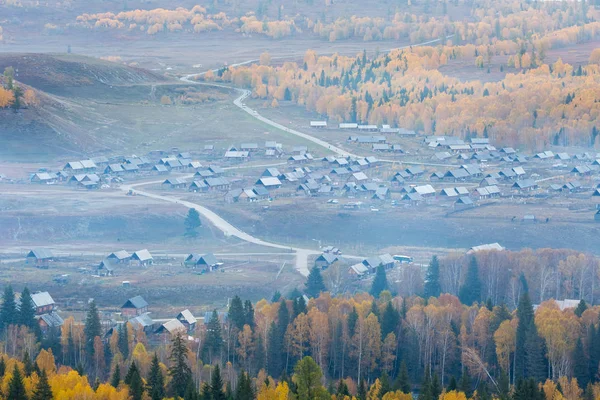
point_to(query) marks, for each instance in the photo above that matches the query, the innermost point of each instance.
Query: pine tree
(470, 291)
(580, 367)
(465, 384)
(27, 364)
(236, 313)
(389, 320)
(274, 351)
(259, 353)
(352, 321)
(134, 381)
(453, 385)
(380, 282)
(525, 318)
(249, 314)
(2, 367)
(216, 385)
(342, 389)
(156, 380)
(205, 392)
(180, 371)
(42, 390)
(581, 307)
(528, 390)
(133, 369)
(190, 392)
(26, 315)
(115, 380)
(244, 389)
(192, 223)
(594, 350)
(123, 341)
(362, 390)
(214, 337)
(385, 385)
(432, 280)
(314, 283)
(8, 310)
(16, 387)
(92, 328)
(402, 381)
(436, 387)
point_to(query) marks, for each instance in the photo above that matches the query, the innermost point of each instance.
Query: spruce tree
(205, 392)
(470, 291)
(192, 223)
(236, 313)
(389, 320)
(249, 313)
(525, 318)
(465, 384)
(380, 282)
(156, 380)
(216, 385)
(432, 286)
(133, 369)
(190, 392)
(581, 307)
(26, 315)
(362, 390)
(92, 328)
(386, 386)
(42, 390)
(180, 371)
(580, 367)
(436, 387)
(8, 309)
(115, 380)
(594, 351)
(342, 389)
(351, 321)
(314, 283)
(214, 337)
(453, 385)
(244, 389)
(274, 351)
(402, 381)
(27, 364)
(16, 387)
(123, 341)
(136, 385)
(2, 366)
(259, 355)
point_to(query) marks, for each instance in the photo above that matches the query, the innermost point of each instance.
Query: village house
(325, 260)
(160, 169)
(269, 182)
(40, 257)
(143, 322)
(358, 270)
(42, 177)
(170, 328)
(217, 184)
(271, 172)
(106, 268)
(43, 303)
(216, 170)
(198, 186)
(207, 262)
(134, 306)
(49, 321)
(120, 257)
(525, 185)
(143, 257)
(187, 319)
(114, 169)
(174, 183)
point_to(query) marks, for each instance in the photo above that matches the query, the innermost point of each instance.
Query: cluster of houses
(45, 311)
(366, 267)
(364, 128)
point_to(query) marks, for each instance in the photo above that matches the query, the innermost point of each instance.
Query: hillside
(64, 121)
(55, 73)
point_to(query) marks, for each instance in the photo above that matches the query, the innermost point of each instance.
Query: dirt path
(225, 227)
